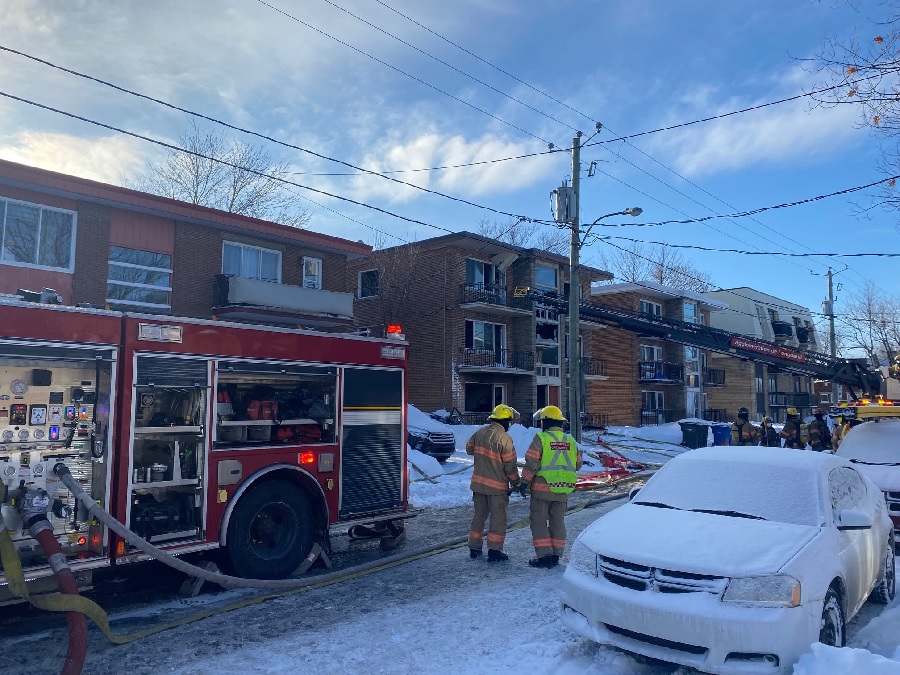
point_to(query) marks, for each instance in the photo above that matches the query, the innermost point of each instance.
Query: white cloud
(107, 159)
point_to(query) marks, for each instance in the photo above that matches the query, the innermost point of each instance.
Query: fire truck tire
(270, 531)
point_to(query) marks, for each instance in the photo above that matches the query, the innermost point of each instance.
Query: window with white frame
(312, 272)
(37, 236)
(652, 400)
(651, 308)
(251, 262)
(651, 353)
(367, 287)
(139, 278)
(483, 335)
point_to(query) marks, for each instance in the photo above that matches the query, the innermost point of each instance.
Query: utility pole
(831, 335)
(574, 287)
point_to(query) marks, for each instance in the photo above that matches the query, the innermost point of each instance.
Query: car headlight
(417, 437)
(773, 590)
(583, 559)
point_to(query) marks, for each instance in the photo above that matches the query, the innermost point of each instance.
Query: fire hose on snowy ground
(73, 604)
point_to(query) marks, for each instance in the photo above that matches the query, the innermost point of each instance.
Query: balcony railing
(715, 415)
(660, 371)
(593, 367)
(782, 329)
(496, 358)
(594, 420)
(713, 377)
(780, 399)
(660, 416)
(492, 294)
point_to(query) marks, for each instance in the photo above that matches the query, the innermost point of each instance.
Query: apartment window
(651, 308)
(251, 262)
(486, 336)
(36, 236)
(652, 400)
(368, 284)
(481, 274)
(773, 384)
(312, 272)
(691, 315)
(139, 278)
(483, 397)
(651, 353)
(825, 397)
(758, 385)
(545, 277)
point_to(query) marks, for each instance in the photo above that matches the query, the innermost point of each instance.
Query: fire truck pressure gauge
(8, 434)
(18, 387)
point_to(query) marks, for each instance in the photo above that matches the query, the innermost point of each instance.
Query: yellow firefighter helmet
(503, 412)
(550, 412)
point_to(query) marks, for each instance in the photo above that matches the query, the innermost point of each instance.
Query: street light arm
(633, 211)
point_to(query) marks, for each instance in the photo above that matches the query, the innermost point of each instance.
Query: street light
(574, 287)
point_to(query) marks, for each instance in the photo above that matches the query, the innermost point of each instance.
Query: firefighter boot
(545, 562)
(554, 560)
(474, 553)
(496, 556)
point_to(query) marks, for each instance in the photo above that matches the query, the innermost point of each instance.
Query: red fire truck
(199, 434)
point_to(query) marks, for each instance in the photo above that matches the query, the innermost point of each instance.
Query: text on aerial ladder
(770, 350)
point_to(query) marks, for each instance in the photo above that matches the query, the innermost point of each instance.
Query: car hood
(887, 478)
(696, 542)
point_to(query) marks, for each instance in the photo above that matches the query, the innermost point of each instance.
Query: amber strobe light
(307, 457)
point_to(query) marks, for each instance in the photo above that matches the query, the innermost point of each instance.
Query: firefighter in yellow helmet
(551, 463)
(795, 434)
(494, 476)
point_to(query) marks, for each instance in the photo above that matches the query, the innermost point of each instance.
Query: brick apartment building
(473, 342)
(110, 246)
(764, 389)
(650, 380)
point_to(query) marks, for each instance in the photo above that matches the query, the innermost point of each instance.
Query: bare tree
(863, 73)
(870, 323)
(661, 265)
(525, 235)
(399, 276)
(224, 174)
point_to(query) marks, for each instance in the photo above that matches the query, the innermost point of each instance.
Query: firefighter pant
(493, 506)
(548, 526)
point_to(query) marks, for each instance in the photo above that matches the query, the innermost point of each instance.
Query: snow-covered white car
(874, 449)
(426, 434)
(733, 560)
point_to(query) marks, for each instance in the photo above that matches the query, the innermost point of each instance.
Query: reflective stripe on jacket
(495, 467)
(532, 473)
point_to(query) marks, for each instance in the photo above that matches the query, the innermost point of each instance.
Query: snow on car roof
(419, 420)
(873, 441)
(799, 459)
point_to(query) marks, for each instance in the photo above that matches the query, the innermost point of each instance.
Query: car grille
(659, 642)
(442, 439)
(644, 578)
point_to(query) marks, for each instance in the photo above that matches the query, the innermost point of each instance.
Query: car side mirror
(851, 519)
(632, 493)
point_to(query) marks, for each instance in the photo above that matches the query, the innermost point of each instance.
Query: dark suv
(438, 444)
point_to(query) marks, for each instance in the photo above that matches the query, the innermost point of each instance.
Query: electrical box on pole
(562, 204)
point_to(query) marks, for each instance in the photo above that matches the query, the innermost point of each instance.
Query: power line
(448, 65)
(257, 134)
(779, 253)
(403, 72)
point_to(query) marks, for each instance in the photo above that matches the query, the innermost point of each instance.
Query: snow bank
(826, 660)
(426, 463)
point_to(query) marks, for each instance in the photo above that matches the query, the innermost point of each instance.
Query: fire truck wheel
(270, 531)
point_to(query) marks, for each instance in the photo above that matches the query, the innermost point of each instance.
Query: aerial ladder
(858, 376)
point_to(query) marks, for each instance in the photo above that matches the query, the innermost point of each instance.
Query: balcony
(782, 330)
(240, 299)
(493, 298)
(716, 415)
(594, 420)
(781, 399)
(506, 361)
(806, 336)
(661, 371)
(713, 377)
(593, 369)
(657, 416)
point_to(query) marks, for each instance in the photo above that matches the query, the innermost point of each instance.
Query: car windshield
(736, 489)
(873, 443)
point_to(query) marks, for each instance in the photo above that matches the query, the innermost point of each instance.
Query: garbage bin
(694, 435)
(721, 434)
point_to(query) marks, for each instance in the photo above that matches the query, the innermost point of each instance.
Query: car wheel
(832, 631)
(270, 532)
(442, 460)
(885, 588)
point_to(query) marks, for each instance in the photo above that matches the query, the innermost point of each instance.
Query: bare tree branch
(525, 235)
(210, 182)
(661, 265)
(870, 322)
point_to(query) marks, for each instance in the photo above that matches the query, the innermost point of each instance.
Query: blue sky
(635, 65)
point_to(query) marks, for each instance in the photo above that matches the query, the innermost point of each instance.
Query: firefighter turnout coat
(744, 433)
(540, 468)
(495, 470)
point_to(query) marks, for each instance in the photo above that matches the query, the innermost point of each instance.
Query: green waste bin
(694, 435)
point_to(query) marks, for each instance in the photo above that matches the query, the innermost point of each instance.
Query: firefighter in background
(494, 476)
(742, 431)
(551, 465)
(819, 434)
(768, 437)
(795, 434)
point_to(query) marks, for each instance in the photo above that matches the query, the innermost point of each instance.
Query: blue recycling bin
(694, 435)
(721, 434)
